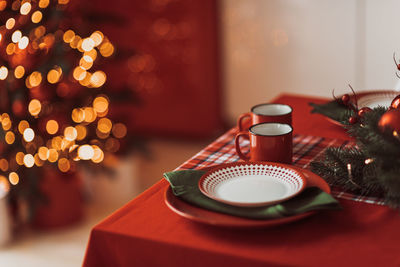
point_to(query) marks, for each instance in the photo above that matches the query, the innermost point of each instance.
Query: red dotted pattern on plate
(291, 178)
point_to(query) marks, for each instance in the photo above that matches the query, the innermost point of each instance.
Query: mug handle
(237, 146)
(240, 120)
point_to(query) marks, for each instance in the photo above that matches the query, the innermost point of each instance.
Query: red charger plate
(204, 216)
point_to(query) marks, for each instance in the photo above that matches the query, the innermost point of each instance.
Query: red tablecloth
(146, 233)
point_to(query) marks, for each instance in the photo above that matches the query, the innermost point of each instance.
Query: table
(145, 232)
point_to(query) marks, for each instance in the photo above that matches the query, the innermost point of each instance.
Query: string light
(21, 45)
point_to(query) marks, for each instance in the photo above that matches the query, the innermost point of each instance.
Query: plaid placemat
(305, 150)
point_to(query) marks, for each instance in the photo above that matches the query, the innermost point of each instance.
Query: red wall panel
(174, 68)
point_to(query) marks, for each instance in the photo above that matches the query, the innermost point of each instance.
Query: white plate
(252, 184)
(375, 98)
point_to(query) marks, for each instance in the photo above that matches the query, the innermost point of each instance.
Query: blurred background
(152, 83)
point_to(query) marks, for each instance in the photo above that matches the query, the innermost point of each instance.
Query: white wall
(306, 47)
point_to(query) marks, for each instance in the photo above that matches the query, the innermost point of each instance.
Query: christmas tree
(53, 103)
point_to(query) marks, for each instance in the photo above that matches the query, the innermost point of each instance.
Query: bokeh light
(68, 36)
(90, 114)
(3, 4)
(4, 184)
(23, 42)
(79, 73)
(78, 115)
(36, 16)
(64, 165)
(86, 62)
(22, 125)
(104, 125)
(16, 36)
(53, 155)
(35, 79)
(9, 137)
(25, 8)
(44, 3)
(97, 37)
(54, 75)
(98, 78)
(81, 132)
(19, 72)
(29, 161)
(43, 153)
(10, 23)
(3, 73)
(29, 135)
(106, 49)
(88, 44)
(10, 49)
(19, 158)
(34, 107)
(52, 126)
(85, 152)
(119, 130)
(98, 154)
(6, 123)
(38, 161)
(13, 178)
(70, 133)
(3, 165)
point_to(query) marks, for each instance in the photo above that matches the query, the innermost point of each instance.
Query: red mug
(268, 142)
(279, 113)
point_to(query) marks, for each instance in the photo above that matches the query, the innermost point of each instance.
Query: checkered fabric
(305, 150)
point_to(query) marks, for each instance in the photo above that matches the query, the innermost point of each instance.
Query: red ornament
(345, 99)
(390, 120)
(353, 120)
(395, 102)
(363, 110)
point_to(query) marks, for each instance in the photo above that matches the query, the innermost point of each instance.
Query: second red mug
(279, 113)
(268, 142)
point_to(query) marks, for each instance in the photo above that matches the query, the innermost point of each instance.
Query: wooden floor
(135, 173)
